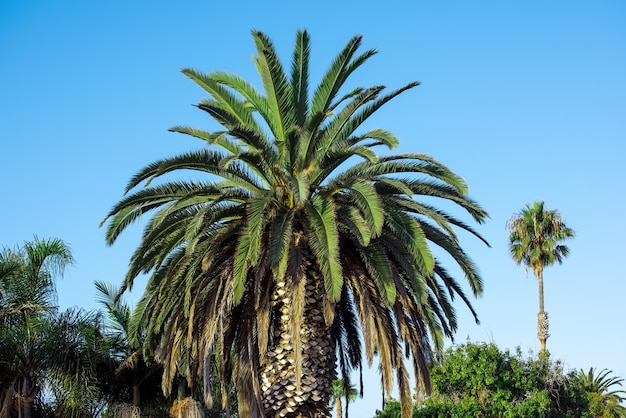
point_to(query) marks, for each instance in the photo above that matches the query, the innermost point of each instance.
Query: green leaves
(368, 202)
(535, 236)
(277, 88)
(324, 241)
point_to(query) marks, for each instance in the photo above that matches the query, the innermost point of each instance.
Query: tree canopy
(480, 380)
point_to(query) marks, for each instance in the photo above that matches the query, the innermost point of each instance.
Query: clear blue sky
(526, 100)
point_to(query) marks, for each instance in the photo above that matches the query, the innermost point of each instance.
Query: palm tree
(339, 391)
(36, 344)
(604, 400)
(535, 239)
(300, 249)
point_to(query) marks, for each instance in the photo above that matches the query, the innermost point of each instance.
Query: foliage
(134, 379)
(480, 380)
(604, 399)
(535, 237)
(392, 409)
(43, 351)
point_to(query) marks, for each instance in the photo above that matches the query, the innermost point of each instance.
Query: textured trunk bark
(297, 383)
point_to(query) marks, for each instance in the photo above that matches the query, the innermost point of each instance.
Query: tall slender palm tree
(300, 249)
(535, 239)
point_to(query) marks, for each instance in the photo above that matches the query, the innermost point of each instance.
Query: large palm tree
(535, 239)
(298, 249)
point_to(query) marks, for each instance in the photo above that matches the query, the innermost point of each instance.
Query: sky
(525, 100)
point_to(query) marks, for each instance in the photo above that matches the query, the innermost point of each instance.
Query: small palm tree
(535, 240)
(339, 391)
(604, 400)
(38, 345)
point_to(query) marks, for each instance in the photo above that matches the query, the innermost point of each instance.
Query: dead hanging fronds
(186, 408)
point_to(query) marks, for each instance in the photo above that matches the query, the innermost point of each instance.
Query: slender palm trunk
(136, 387)
(290, 390)
(540, 281)
(338, 408)
(542, 316)
(136, 396)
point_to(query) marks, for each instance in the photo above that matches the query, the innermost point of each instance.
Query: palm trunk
(338, 412)
(26, 397)
(542, 316)
(540, 281)
(136, 384)
(298, 383)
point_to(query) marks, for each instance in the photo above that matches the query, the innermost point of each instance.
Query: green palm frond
(238, 109)
(300, 77)
(218, 138)
(324, 241)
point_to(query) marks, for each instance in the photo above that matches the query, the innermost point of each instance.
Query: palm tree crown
(535, 239)
(285, 261)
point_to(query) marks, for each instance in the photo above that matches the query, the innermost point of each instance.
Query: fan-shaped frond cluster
(536, 235)
(278, 259)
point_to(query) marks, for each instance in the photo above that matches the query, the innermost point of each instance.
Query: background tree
(282, 259)
(40, 347)
(133, 380)
(480, 380)
(339, 391)
(130, 379)
(603, 397)
(536, 234)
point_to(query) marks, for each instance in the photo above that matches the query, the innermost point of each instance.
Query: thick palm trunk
(26, 398)
(294, 385)
(542, 316)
